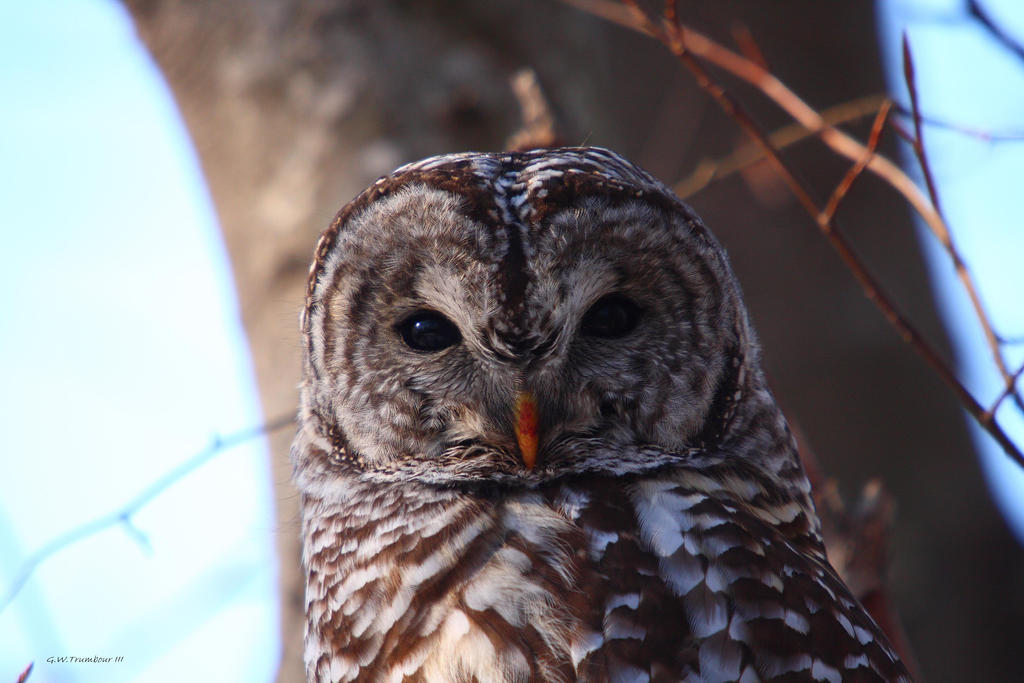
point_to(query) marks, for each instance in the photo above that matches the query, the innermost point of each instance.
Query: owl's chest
(571, 584)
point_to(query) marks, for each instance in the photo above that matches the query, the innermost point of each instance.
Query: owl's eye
(613, 316)
(429, 331)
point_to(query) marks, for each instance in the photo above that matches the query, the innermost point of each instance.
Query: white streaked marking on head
(517, 200)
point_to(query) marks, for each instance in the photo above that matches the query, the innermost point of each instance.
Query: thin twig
(1010, 388)
(615, 12)
(688, 46)
(918, 141)
(828, 215)
(979, 133)
(974, 9)
(946, 238)
(748, 46)
(902, 131)
(628, 14)
(708, 171)
(752, 72)
(124, 514)
(671, 15)
(538, 129)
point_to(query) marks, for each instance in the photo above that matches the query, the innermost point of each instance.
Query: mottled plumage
(665, 531)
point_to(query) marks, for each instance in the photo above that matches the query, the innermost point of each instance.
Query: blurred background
(167, 167)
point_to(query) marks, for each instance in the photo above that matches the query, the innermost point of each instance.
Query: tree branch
(851, 176)
(975, 10)
(946, 238)
(708, 171)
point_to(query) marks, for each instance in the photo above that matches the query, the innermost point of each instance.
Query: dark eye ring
(611, 317)
(428, 331)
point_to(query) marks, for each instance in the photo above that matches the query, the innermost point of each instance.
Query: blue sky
(966, 77)
(122, 353)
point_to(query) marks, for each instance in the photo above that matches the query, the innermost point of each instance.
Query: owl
(536, 444)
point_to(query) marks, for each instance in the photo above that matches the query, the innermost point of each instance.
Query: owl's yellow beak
(526, 427)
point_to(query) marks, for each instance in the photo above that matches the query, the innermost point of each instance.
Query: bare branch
(124, 514)
(979, 133)
(711, 170)
(699, 45)
(539, 126)
(851, 176)
(748, 46)
(975, 10)
(708, 171)
(946, 237)
(1010, 388)
(671, 15)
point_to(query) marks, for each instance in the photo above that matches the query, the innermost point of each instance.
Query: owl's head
(519, 317)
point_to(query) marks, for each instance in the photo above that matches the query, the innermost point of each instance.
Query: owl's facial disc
(447, 358)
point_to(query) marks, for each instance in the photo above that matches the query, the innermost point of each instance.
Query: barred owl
(536, 444)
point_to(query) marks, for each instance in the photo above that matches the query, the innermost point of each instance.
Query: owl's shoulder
(696, 580)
